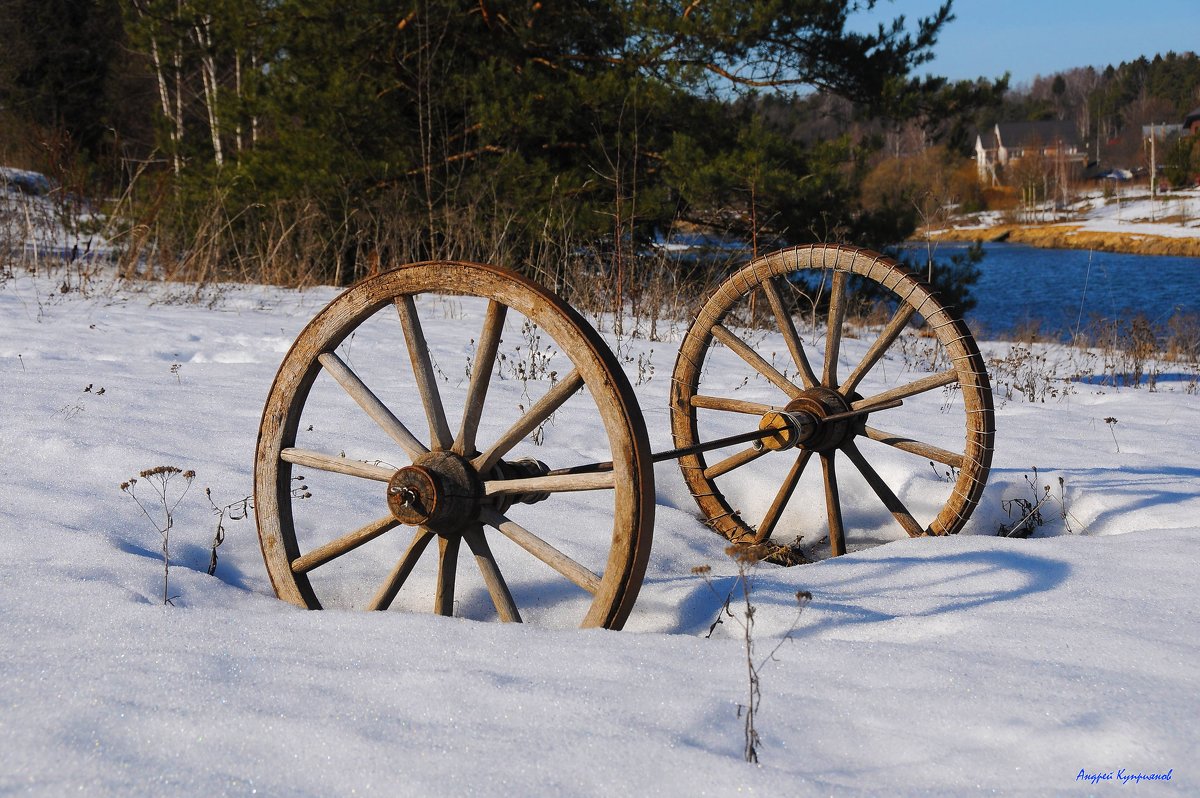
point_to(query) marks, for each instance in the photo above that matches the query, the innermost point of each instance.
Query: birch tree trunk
(202, 33)
(172, 107)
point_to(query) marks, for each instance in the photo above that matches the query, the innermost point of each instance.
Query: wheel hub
(443, 490)
(802, 422)
(440, 490)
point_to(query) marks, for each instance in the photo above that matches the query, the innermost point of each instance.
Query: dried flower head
(164, 470)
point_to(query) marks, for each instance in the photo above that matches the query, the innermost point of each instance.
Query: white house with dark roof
(1007, 142)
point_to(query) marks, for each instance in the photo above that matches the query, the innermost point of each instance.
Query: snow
(40, 219)
(1174, 214)
(976, 663)
(1129, 211)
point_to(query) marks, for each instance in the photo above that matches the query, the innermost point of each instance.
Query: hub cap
(440, 490)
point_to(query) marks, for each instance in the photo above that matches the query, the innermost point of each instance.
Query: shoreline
(1070, 236)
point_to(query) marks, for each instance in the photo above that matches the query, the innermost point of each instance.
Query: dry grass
(1127, 352)
(636, 292)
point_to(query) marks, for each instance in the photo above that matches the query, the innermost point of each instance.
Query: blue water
(1061, 288)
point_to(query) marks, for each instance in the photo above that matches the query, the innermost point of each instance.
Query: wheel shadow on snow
(851, 591)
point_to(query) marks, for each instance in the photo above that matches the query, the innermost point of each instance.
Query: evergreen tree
(56, 64)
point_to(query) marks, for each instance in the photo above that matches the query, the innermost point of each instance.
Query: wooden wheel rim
(578, 341)
(970, 374)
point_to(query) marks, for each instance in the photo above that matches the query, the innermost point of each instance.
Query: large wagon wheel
(345, 411)
(819, 405)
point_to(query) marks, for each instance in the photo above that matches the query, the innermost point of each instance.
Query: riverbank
(1072, 236)
(1169, 224)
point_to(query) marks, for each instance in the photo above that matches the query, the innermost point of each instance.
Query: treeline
(319, 139)
(1109, 107)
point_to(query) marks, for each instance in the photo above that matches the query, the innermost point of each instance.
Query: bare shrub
(1183, 338)
(1028, 373)
(1028, 512)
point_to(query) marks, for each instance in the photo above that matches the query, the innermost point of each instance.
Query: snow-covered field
(1174, 214)
(1129, 209)
(1061, 664)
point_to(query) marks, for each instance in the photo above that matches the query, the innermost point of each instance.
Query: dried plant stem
(159, 479)
(747, 558)
(234, 511)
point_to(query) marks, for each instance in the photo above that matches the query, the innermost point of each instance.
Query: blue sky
(1041, 37)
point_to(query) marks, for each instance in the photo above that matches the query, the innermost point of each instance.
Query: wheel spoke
(886, 337)
(336, 465)
(928, 450)
(541, 410)
(336, 548)
(555, 483)
(443, 601)
(734, 461)
(370, 403)
(730, 405)
(788, 328)
(782, 497)
(404, 566)
(833, 506)
(497, 588)
(481, 377)
(542, 550)
(747, 353)
(418, 352)
(911, 389)
(885, 494)
(833, 341)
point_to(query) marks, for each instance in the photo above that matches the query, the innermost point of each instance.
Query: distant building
(1007, 142)
(1191, 122)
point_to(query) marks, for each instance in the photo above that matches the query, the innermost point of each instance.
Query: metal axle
(800, 425)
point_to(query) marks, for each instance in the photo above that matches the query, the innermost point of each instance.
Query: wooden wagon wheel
(362, 433)
(818, 406)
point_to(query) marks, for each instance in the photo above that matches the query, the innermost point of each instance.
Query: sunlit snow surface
(1126, 209)
(932, 666)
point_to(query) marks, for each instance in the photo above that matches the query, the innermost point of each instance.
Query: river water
(1062, 288)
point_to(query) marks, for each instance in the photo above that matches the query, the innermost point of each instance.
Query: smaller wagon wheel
(915, 401)
(359, 470)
